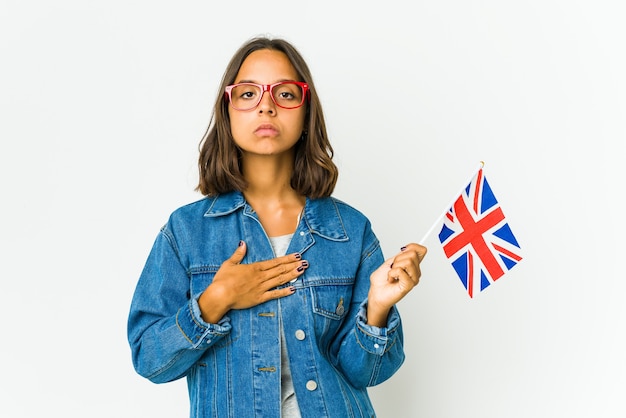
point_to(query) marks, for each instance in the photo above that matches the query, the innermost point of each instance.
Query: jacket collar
(321, 215)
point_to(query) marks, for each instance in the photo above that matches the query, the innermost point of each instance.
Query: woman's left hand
(392, 281)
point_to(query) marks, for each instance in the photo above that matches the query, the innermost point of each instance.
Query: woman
(270, 296)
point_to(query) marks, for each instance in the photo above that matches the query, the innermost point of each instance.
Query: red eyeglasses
(285, 94)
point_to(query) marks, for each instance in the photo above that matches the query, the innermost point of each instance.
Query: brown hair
(314, 174)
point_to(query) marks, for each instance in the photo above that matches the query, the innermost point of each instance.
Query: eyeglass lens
(248, 96)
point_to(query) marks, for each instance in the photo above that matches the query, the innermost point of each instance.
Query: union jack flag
(476, 237)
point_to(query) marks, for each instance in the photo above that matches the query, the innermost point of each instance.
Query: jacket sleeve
(165, 330)
(368, 355)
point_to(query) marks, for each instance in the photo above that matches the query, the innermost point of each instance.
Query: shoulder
(209, 207)
(357, 226)
(335, 219)
(192, 210)
(347, 209)
(346, 212)
(203, 219)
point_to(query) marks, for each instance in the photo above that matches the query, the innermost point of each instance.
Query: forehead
(266, 66)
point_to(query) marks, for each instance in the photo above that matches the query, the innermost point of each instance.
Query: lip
(266, 129)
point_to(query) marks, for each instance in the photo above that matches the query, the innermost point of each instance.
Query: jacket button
(311, 385)
(300, 335)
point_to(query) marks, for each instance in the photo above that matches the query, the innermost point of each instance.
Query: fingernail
(391, 266)
(298, 256)
(305, 263)
(240, 243)
(403, 248)
(292, 289)
(300, 268)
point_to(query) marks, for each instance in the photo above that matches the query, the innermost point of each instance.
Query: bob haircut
(314, 175)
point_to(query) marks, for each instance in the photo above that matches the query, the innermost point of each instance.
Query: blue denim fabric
(233, 367)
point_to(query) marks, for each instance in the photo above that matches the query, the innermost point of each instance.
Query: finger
(420, 250)
(394, 272)
(277, 293)
(412, 267)
(413, 274)
(290, 275)
(411, 254)
(405, 266)
(406, 276)
(289, 259)
(239, 253)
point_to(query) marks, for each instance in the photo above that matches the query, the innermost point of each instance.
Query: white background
(102, 106)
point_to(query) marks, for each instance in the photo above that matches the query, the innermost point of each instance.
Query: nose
(267, 103)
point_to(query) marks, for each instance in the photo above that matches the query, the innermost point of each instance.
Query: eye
(286, 92)
(245, 91)
(286, 95)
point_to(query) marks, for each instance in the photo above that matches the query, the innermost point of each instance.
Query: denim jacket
(233, 367)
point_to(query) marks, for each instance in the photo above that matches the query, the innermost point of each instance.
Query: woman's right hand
(241, 286)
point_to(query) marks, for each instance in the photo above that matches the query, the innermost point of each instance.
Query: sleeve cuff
(374, 339)
(199, 333)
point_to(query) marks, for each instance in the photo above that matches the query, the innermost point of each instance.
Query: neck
(268, 177)
(269, 192)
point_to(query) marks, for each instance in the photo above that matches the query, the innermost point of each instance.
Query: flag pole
(445, 210)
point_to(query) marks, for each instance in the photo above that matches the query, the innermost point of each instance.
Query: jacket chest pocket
(331, 300)
(330, 304)
(200, 278)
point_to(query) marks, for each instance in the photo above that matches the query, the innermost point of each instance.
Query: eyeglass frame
(268, 88)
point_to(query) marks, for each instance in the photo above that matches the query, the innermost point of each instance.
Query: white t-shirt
(289, 403)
